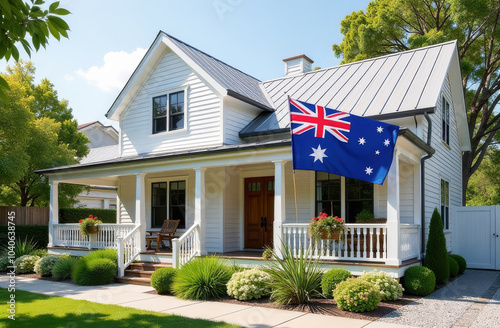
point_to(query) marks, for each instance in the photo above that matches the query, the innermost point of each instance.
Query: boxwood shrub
(26, 263)
(97, 271)
(331, 279)
(357, 295)
(73, 215)
(462, 264)
(161, 280)
(453, 266)
(419, 280)
(44, 265)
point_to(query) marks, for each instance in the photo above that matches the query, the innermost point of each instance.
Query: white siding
(232, 224)
(380, 201)
(305, 195)
(236, 116)
(126, 193)
(445, 164)
(406, 198)
(214, 186)
(203, 112)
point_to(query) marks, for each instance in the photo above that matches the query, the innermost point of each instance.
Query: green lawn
(37, 310)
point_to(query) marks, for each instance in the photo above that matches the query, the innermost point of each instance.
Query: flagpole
(295, 194)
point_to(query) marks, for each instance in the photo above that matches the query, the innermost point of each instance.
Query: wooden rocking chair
(167, 232)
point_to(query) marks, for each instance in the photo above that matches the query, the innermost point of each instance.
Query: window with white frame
(168, 112)
(445, 203)
(445, 133)
(168, 202)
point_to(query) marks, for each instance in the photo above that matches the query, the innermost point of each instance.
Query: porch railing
(129, 247)
(361, 242)
(186, 247)
(409, 241)
(68, 235)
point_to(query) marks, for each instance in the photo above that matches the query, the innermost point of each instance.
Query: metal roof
(396, 85)
(100, 154)
(239, 84)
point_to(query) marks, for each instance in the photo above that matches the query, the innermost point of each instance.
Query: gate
(475, 235)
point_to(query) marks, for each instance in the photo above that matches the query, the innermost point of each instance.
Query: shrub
(419, 280)
(4, 262)
(73, 215)
(267, 254)
(21, 247)
(40, 252)
(462, 264)
(294, 280)
(453, 266)
(39, 234)
(249, 284)
(202, 279)
(436, 255)
(44, 265)
(331, 279)
(26, 263)
(62, 269)
(390, 289)
(356, 295)
(107, 253)
(97, 271)
(161, 280)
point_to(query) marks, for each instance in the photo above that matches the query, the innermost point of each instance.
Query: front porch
(213, 196)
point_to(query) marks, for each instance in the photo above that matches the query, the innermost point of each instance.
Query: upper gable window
(168, 112)
(445, 133)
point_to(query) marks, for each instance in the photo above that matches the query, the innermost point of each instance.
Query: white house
(103, 144)
(205, 143)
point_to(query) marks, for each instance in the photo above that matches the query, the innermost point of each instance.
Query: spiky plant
(294, 280)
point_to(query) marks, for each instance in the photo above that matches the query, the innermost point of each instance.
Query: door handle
(265, 224)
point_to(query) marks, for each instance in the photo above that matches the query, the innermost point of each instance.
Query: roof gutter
(422, 184)
(241, 97)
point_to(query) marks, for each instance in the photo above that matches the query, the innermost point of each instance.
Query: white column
(53, 209)
(140, 208)
(199, 206)
(279, 205)
(393, 221)
(417, 204)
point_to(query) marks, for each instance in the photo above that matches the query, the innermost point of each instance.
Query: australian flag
(328, 140)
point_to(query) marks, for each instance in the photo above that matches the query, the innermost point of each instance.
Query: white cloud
(117, 68)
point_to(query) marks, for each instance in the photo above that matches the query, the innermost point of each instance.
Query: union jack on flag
(325, 139)
(317, 119)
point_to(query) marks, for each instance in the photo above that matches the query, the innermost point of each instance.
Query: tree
(390, 26)
(484, 185)
(436, 255)
(19, 18)
(50, 138)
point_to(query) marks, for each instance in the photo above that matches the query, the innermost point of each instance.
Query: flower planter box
(92, 229)
(335, 235)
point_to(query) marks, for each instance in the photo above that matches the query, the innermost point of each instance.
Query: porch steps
(139, 273)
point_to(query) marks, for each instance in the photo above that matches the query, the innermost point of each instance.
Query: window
(328, 191)
(168, 112)
(446, 122)
(445, 203)
(359, 195)
(168, 202)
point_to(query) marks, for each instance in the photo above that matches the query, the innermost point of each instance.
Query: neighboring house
(205, 143)
(103, 145)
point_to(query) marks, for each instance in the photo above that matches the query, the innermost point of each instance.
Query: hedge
(39, 233)
(73, 215)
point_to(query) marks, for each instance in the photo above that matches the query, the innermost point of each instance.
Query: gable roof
(397, 85)
(109, 128)
(226, 79)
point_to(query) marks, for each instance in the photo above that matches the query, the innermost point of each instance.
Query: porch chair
(167, 232)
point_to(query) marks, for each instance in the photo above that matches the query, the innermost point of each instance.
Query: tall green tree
(49, 138)
(26, 24)
(390, 26)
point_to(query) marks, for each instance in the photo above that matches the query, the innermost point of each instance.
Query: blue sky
(109, 37)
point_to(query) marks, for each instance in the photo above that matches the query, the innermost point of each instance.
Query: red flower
(323, 215)
(80, 221)
(91, 216)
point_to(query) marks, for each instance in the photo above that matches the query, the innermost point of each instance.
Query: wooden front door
(259, 212)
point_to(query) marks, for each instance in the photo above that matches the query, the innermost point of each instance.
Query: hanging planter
(89, 225)
(326, 227)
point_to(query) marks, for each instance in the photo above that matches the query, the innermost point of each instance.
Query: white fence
(69, 235)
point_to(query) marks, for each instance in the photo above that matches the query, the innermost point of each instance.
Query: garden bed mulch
(325, 306)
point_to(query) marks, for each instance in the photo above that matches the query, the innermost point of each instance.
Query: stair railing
(186, 247)
(129, 247)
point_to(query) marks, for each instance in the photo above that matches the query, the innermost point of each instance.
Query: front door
(259, 212)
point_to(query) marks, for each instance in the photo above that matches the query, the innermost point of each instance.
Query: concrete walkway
(137, 297)
(472, 300)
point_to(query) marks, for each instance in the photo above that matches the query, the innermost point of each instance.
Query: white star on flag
(377, 152)
(387, 142)
(369, 170)
(380, 129)
(318, 154)
(362, 141)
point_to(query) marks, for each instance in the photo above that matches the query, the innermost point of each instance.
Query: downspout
(422, 184)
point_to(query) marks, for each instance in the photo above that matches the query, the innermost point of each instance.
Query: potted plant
(326, 227)
(89, 225)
